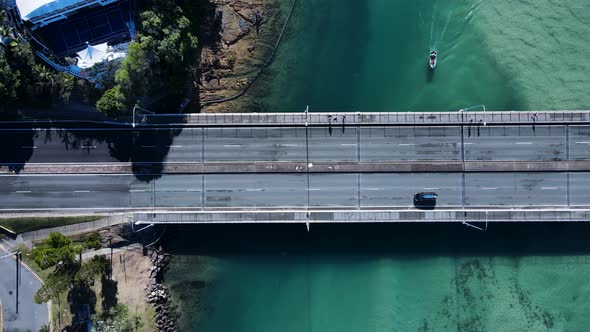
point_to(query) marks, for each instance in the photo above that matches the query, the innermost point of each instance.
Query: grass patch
(21, 225)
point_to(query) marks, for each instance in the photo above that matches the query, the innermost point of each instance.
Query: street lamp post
(141, 109)
(476, 106)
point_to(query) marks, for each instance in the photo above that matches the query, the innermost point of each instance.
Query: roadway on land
(336, 143)
(278, 191)
(30, 316)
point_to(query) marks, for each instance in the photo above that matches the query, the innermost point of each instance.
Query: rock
(233, 26)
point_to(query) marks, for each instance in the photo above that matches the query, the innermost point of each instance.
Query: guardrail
(372, 119)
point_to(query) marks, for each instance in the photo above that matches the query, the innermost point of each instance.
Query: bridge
(305, 167)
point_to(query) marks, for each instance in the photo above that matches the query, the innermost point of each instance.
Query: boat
(432, 61)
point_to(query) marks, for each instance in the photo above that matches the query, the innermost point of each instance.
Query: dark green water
(421, 277)
(360, 55)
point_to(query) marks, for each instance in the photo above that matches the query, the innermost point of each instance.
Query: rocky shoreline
(157, 293)
(238, 39)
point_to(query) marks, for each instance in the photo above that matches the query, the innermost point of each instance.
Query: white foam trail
(444, 29)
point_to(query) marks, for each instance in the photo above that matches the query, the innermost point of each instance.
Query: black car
(425, 198)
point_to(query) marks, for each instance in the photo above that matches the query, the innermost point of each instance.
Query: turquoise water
(360, 55)
(355, 55)
(381, 278)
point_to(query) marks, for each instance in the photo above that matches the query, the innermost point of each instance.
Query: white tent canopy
(100, 53)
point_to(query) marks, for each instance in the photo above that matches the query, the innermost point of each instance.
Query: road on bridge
(366, 190)
(337, 143)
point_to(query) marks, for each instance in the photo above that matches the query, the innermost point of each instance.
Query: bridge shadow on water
(430, 239)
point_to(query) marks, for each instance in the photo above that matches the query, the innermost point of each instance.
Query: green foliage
(116, 318)
(21, 225)
(9, 81)
(154, 62)
(44, 328)
(57, 248)
(58, 282)
(92, 241)
(231, 59)
(98, 265)
(113, 102)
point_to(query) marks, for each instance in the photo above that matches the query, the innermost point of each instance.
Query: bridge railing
(392, 118)
(366, 216)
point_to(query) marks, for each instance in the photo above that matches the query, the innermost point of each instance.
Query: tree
(113, 102)
(9, 82)
(54, 285)
(116, 318)
(56, 249)
(154, 62)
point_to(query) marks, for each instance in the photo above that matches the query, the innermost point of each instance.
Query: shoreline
(236, 57)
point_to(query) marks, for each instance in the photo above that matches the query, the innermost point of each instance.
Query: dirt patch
(131, 272)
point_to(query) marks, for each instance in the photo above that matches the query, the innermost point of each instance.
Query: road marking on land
(254, 189)
(314, 189)
(468, 143)
(487, 188)
(524, 143)
(288, 145)
(88, 146)
(549, 188)
(23, 191)
(582, 142)
(405, 144)
(372, 189)
(231, 145)
(28, 147)
(81, 191)
(431, 188)
(348, 144)
(137, 190)
(175, 146)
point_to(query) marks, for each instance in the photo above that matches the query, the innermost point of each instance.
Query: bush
(113, 102)
(92, 241)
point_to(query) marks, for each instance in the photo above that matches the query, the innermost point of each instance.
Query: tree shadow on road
(17, 147)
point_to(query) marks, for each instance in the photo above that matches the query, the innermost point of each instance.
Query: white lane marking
(524, 143)
(22, 191)
(174, 146)
(468, 143)
(288, 145)
(137, 190)
(487, 188)
(81, 191)
(549, 188)
(348, 144)
(231, 145)
(405, 144)
(254, 189)
(28, 147)
(88, 146)
(431, 188)
(314, 189)
(582, 142)
(372, 189)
